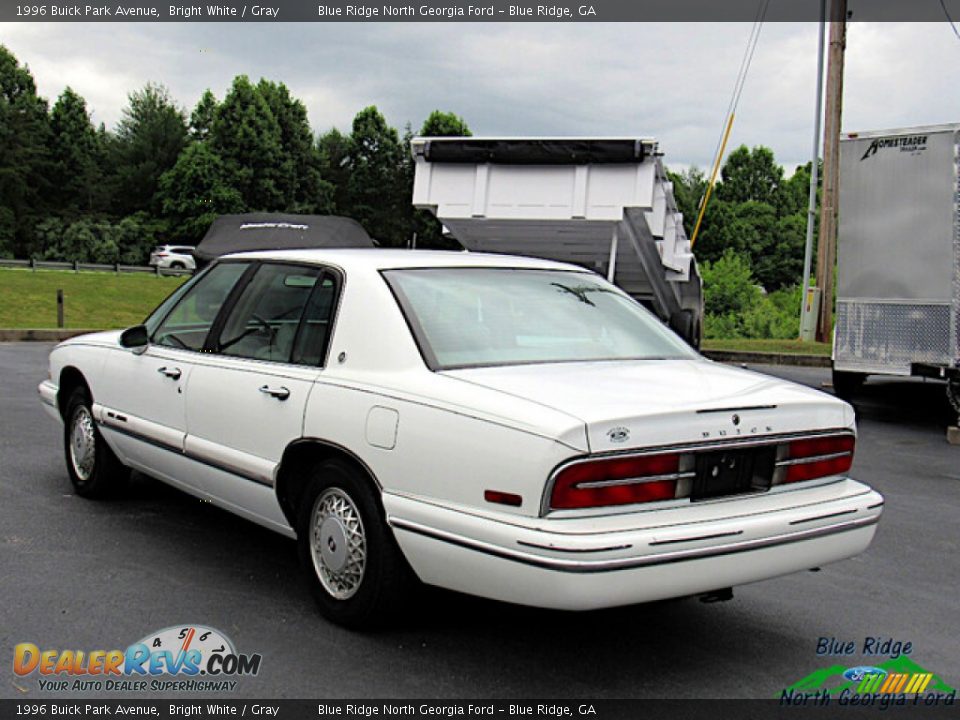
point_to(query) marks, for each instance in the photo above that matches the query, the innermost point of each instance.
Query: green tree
(149, 139)
(444, 124)
(750, 175)
(201, 119)
(299, 165)
(24, 157)
(689, 187)
(75, 152)
(376, 192)
(333, 155)
(730, 293)
(247, 137)
(194, 192)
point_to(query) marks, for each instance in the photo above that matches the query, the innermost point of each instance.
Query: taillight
(616, 481)
(818, 457)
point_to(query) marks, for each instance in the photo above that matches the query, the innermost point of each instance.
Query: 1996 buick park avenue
(512, 428)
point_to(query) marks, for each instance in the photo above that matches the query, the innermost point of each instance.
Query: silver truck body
(898, 277)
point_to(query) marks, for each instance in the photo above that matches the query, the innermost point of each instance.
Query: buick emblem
(618, 434)
(736, 419)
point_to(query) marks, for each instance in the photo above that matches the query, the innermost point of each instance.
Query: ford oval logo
(735, 419)
(618, 434)
(856, 674)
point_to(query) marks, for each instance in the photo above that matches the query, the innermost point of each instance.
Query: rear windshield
(476, 317)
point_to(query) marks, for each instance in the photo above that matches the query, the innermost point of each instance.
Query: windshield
(475, 317)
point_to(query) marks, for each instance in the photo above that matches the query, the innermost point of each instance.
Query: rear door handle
(172, 373)
(280, 393)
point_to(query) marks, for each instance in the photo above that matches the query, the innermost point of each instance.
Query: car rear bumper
(579, 566)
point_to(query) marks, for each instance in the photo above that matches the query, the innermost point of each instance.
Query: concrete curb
(768, 358)
(726, 356)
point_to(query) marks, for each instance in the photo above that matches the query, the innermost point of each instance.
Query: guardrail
(91, 267)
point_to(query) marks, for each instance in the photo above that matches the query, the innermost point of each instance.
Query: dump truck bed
(605, 204)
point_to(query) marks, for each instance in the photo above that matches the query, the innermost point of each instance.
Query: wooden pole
(827, 239)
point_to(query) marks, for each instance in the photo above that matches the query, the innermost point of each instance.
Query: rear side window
(189, 323)
(283, 315)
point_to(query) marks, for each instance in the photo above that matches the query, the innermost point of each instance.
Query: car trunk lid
(648, 403)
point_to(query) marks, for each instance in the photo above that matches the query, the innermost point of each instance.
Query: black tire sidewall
(107, 470)
(369, 606)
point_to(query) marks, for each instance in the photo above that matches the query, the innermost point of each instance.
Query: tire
(683, 324)
(177, 265)
(360, 584)
(846, 384)
(93, 468)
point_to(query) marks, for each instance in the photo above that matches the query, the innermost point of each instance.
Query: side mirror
(135, 337)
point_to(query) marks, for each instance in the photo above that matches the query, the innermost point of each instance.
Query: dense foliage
(72, 191)
(750, 243)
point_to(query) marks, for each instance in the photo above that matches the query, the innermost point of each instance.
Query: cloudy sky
(671, 82)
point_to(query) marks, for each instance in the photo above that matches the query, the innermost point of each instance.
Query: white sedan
(512, 428)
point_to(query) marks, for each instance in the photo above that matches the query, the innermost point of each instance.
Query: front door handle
(280, 393)
(172, 373)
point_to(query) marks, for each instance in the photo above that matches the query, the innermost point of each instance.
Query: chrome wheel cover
(83, 443)
(338, 545)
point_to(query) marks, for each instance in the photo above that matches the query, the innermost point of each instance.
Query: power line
(738, 85)
(953, 25)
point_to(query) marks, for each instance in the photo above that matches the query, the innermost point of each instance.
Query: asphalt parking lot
(79, 574)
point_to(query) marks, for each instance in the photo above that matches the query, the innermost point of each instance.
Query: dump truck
(602, 203)
(898, 275)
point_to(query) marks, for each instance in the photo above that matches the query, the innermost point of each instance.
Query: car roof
(373, 259)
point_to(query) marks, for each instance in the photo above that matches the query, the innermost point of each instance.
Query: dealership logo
(177, 658)
(897, 680)
(909, 143)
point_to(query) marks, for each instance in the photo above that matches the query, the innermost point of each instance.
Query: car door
(143, 401)
(248, 394)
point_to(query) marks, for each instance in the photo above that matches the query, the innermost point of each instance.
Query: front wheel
(93, 468)
(358, 575)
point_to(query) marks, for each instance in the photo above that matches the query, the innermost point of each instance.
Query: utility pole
(808, 323)
(827, 240)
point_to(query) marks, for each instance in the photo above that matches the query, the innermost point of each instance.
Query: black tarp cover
(276, 231)
(535, 151)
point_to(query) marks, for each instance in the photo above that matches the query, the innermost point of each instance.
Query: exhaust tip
(715, 596)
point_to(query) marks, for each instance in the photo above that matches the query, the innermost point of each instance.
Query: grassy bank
(794, 347)
(95, 300)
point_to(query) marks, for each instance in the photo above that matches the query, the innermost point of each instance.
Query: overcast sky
(671, 82)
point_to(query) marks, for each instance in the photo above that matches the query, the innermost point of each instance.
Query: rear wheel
(93, 468)
(683, 324)
(358, 575)
(846, 384)
(177, 265)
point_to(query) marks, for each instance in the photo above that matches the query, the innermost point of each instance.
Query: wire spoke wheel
(83, 443)
(338, 545)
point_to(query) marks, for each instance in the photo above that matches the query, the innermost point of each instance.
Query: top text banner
(477, 11)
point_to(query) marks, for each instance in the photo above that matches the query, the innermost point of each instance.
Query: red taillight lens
(819, 457)
(616, 481)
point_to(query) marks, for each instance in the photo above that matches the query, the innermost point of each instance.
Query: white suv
(173, 257)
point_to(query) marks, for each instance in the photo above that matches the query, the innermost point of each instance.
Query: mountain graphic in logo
(835, 679)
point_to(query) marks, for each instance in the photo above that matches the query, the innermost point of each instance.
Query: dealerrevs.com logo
(185, 658)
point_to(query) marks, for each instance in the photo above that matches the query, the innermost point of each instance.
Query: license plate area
(733, 472)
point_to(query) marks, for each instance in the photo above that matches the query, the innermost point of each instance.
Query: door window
(282, 315)
(189, 323)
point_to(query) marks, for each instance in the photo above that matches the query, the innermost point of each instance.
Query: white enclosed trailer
(604, 204)
(898, 276)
